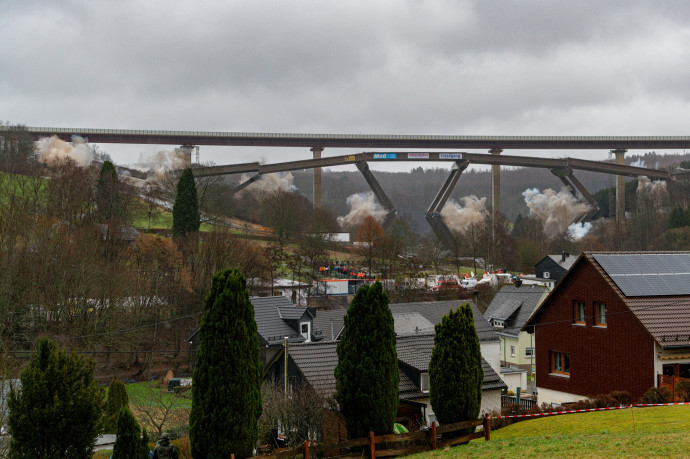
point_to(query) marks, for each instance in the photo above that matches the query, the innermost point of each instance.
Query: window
(512, 351)
(529, 352)
(547, 274)
(305, 330)
(579, 312)
(560, 363)
(424, 382)
(600, 314)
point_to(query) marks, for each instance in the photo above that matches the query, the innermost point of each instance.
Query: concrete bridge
(562, 168)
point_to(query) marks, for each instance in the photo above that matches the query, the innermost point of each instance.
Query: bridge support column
(620, 187)
(495, 185)
(317, 178)
(381, 195)
(187, 151)
(433, 214)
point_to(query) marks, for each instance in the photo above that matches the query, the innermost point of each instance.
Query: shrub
(657, 395)
(683, 391)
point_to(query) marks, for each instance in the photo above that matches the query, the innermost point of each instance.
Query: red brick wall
(618, 357)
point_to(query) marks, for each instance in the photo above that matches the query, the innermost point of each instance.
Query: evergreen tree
(367, 371)
(108, 199)
(56, 411)
(228, 373)
(128, 444)
(186, 208)
(455, 369)
(117, 398)
(678, 218)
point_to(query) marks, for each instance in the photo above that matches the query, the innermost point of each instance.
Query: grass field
(640, 432)
(160, 218)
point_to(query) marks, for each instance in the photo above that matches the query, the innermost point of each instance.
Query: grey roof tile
(411, 323)
(515, 305)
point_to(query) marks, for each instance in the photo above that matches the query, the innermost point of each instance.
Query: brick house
(616, 321)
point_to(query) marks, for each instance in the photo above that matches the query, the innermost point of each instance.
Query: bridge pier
(317, 178)
(620, 187)
(381, 195)
(187, 151)
(495, 185)
(433, 214)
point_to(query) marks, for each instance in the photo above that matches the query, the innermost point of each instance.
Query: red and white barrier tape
(555, 413)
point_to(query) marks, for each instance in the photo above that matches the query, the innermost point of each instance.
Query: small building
(616, 321)
(554, 266)
(508, 312)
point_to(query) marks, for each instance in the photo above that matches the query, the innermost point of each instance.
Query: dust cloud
(557, 210)
(460, 216)
(52, 150)
(362, 205)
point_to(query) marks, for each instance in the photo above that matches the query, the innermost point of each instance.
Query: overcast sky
(383, 67)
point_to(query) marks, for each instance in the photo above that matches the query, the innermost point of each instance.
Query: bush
(683, 391)
(657, 395)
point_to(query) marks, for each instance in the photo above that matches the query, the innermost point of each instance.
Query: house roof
(666, 317)
(317, 362)
(326, 317)
(558, 259)
(434, 311)
(410, 323)
(515, 305)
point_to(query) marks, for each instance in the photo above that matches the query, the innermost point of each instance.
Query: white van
(468, 284)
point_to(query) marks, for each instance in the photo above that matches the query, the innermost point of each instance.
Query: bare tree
(158, 409)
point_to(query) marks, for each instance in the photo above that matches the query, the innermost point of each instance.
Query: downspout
(285, 364)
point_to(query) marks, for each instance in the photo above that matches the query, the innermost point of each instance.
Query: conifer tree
(108, 199)
(228, 373)
(117, 398)
(367, 371)
(128, 444)
(57, 410)
(186, 217)
(455, 369)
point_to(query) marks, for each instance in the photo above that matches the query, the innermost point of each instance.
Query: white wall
(553, 396)
(492, 354)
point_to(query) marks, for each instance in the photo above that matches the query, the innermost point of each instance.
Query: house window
(547, 274)
(512, 351)
(579, 312)
(560, 363)
(424, 382)
(305, 330)
(600, 314)
(529, 352)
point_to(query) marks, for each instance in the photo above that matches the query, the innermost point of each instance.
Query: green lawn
(141, 390)
(643, 432)
(160, 218)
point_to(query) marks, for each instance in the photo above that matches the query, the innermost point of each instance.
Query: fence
(670, 382)
(394, 444)
(526, 403)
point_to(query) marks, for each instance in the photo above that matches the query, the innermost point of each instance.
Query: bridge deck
(361, 140)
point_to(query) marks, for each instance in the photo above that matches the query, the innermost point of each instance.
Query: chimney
(564, 256)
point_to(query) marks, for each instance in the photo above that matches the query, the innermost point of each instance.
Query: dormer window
(424, 382)
(305, 330)
(499, 323)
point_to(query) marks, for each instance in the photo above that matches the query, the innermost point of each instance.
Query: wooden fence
(391, 444)
(670, 383)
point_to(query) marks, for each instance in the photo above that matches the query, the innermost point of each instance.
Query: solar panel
(661, 274)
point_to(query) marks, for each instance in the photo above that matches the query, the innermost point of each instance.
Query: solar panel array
(654, 274)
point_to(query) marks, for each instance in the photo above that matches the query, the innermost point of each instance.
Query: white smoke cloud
(362, 205)
(160, 162)
(638, 163)
(53, 150)
(270, 183)
(556, 210)
(655, 189)
(459, 216)
(577, 231)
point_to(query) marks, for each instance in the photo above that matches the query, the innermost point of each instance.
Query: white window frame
(424, 382)
(529, 352)
(512, 351)
(547, 275)
(308, 324)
